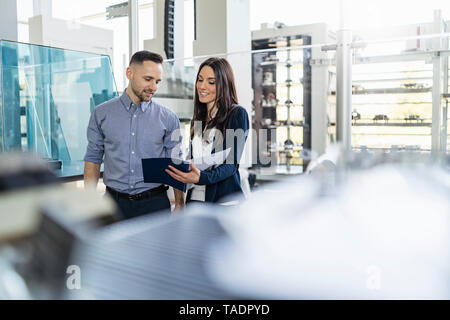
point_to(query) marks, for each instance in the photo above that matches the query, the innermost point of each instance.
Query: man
(126, 129)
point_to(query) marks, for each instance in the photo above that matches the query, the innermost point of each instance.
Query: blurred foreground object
(41, 222)
(152, 257)
(370, 226)
(27, 185)
(379, 232)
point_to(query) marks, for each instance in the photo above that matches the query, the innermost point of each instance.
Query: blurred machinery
(41, 223)
(315, 238)
(322, 243)
(379, 233)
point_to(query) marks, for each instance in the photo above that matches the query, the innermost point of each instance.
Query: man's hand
(91, 174)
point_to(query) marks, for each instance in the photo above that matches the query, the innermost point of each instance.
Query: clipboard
(154, 171)
(154, 168)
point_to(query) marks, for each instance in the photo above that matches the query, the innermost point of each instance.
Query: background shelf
(380, 124)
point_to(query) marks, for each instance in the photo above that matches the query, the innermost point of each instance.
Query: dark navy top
(224, 180)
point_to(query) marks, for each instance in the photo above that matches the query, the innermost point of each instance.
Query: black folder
(154, 171)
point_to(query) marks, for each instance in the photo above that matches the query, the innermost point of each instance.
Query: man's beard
(140, 95)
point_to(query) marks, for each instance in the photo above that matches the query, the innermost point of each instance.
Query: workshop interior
(345, 171)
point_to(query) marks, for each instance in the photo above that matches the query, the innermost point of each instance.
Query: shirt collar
(145, 105)
(126, 101)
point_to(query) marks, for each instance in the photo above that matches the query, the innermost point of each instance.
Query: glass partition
(394, 87)
(287, 85)
(47, 97)
(445, 105)
(331, 103)
(392, 104)
(394, 94)
(274, 84)
(176, 91)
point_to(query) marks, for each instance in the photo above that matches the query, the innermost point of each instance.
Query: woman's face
(206, 86)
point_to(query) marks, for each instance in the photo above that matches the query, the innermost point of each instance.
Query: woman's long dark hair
(225, 96)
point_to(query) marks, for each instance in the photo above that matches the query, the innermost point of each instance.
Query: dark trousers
(135, 208)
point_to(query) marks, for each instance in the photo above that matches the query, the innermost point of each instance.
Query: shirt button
(132, 170)
(134, 116)
(131, 187)
(132, 133)
(132, 152)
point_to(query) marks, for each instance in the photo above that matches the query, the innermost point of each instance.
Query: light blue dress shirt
(120, 134)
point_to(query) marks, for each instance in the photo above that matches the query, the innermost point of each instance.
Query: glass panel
(281, 100)
(1, 100)
(48, 95)
(120, 56)
(331, 104)
(392, 97)
(445, 113)
(176, 91)
(279, 81)
(94, 13)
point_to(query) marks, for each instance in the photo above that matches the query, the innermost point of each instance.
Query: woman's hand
(192, 176)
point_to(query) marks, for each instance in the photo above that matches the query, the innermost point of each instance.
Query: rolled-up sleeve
(173, 138)
(95, 148)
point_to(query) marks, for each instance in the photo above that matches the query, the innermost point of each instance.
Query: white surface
(204, 163)
(214, 159)
(53, 32)
(383, 234)
(8, 20)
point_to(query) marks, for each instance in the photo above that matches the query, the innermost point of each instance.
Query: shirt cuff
(93, 160)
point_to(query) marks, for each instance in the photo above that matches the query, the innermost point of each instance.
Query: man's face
(144, 79)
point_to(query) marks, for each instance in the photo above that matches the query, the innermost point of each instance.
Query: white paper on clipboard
(214, 159)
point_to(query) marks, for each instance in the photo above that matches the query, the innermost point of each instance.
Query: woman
(216, 109)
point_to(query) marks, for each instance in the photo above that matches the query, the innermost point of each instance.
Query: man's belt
(143, 195)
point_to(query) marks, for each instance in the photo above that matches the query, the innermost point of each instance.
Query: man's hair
(145, 55)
